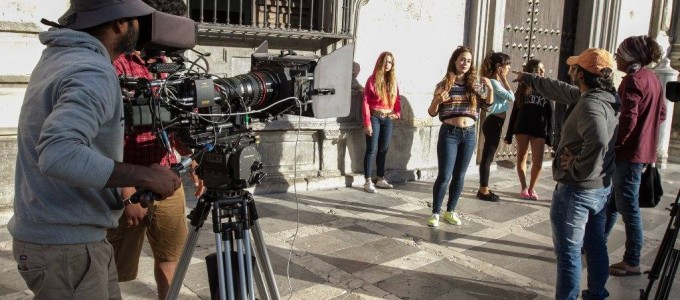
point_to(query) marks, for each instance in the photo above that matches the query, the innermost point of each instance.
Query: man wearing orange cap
(583, 168)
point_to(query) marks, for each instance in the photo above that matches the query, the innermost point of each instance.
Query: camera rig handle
(145, 198)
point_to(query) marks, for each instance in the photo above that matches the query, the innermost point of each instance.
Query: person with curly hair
(381, 105)
(457, 100)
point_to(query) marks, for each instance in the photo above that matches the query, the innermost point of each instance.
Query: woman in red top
(381, 105)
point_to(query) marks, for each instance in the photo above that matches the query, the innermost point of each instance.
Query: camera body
(212, 115)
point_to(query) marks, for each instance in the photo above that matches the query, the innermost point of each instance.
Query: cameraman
(164, 223)
(70, 144)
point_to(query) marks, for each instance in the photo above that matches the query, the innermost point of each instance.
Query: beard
(574, 78)
(128, 43)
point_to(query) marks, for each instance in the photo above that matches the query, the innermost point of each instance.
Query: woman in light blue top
(496, 66)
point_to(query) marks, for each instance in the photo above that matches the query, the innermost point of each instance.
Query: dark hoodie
(589, 132)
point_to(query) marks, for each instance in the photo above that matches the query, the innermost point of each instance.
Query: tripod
(667, 259)
(238, 208)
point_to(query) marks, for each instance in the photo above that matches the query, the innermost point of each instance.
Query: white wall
(421, 35)
(634, 19)
(20, 51)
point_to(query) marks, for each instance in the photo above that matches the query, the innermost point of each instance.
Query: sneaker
(369, 187)
(488, 197)
(433, 220)
(383, 184)
(452, 217)
(533, 195)
(525, 194)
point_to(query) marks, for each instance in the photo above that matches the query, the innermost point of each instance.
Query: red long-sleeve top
(642, 111)
(372, 101)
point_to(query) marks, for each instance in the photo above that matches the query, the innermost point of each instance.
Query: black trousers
(492, 137)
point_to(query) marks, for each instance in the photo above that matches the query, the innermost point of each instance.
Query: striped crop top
(457, 105)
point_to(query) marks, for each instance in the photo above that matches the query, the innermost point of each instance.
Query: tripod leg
(241, 267)
(263, 260)
(223, 249)
(183, 263)
(259, 280)
(249, 263)
(666, 281)
(226, 267)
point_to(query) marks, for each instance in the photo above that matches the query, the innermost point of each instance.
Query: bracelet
(127, 202)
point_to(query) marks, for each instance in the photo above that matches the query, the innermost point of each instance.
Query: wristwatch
(127, 201)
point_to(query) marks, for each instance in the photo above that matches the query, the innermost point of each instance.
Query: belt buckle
(380, 114)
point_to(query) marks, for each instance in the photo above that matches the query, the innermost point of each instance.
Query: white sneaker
(369, 187)
(383, 184)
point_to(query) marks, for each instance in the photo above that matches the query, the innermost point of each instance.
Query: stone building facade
(327, 153)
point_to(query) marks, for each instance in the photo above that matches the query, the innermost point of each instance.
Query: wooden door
(535, 29)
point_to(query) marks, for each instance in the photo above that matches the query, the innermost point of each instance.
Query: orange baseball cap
(593, 60)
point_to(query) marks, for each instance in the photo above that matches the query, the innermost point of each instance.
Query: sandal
(624, 269)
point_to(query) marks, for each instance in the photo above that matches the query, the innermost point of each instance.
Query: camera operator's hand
(134, 213)
(162, 181)
(368, 130)
(127, 94)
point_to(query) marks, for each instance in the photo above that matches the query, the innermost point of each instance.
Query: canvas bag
(650, 187)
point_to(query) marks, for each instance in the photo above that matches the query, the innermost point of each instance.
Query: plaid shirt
(141, 146)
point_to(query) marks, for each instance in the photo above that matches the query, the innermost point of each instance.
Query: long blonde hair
(385, 82)
(450, 77)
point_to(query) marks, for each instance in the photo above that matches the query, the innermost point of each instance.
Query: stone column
(674, 35)
(597, 24)
(485, 32)
(665, 74)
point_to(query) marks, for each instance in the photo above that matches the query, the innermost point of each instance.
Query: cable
(297, 200)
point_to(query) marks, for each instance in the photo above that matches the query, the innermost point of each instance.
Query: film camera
(212, 114)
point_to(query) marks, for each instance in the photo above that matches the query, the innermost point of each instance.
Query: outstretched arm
(549, 88)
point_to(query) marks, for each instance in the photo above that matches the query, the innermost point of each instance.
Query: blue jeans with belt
(578, 219)
(378, 143)
(625, 201)
(455, 147)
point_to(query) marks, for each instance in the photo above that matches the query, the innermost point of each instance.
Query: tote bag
(650, 187)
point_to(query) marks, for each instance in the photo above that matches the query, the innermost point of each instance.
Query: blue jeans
(578, 218)
(454, 151)
(379, 142)
(625, 202)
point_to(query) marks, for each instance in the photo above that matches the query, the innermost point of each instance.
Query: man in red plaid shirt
(164, 223)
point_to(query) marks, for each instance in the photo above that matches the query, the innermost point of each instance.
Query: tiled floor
(352, 245)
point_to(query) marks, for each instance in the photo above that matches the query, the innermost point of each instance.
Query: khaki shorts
(77, 271)
(166, 231)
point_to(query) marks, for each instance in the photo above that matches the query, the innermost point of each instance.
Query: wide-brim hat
(89, 13)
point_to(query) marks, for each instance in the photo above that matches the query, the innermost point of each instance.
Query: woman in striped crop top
(456, 100)
(381, 105)
(496, 67)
